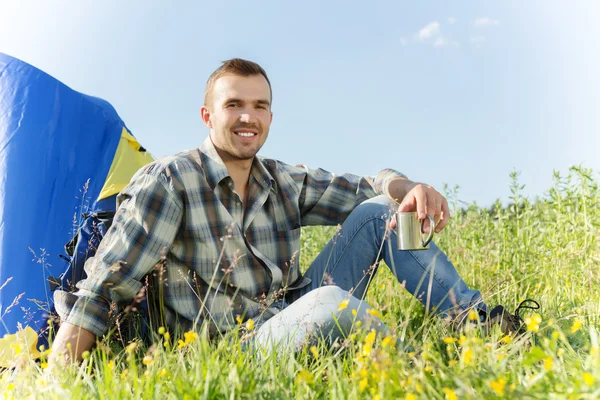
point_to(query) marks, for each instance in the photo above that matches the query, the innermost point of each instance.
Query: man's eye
(231, 105)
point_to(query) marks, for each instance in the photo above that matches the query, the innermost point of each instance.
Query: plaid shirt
(221, 260)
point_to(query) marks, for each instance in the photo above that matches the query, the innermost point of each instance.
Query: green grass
(545, 249)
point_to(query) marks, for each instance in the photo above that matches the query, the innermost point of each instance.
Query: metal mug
(409, 229)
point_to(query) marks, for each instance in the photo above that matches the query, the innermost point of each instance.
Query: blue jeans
(343, 271)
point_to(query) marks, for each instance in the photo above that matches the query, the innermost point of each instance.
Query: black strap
(522, 306)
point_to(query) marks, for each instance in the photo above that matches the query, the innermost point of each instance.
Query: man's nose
(248, 116)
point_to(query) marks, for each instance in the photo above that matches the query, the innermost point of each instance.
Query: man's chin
(245, 155)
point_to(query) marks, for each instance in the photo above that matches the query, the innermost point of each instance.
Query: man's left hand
(423, 199)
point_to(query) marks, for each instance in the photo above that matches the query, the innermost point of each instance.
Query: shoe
(510, 324)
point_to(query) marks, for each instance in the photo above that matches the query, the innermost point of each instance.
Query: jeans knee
(379, 206)
(329, 294)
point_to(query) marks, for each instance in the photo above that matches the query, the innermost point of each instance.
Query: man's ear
(205, 114)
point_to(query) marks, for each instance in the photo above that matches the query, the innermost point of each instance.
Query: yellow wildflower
(44, 365)
(162, 372)
(315, 353)
(190, 336)
(498, 386)
(452, 363)
(161, 330)
(180, 344)
(167, 336)
(555, 335)
(124, 373)
(588, 378)
(374, 312)
(468, 356)
(354, 312)
(450, 340)
(147, 360)
(305, 376)
(111, 364)
(533, 323)
(473, 315)
(410, 396)
(343, 305)
(577, 324)
(250, 324)
(239, 319)
(10, 386)
(370, 338)
(85, 355)
(362, 385)
(548, 363)
(387, 341)
(450, 395)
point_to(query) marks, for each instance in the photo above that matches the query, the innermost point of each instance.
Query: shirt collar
(216, 170)
(214, 167)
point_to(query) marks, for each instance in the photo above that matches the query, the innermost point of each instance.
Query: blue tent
(62, 153)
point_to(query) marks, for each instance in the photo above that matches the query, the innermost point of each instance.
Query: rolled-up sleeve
(146, 222)
(382, 180)
(327, 199)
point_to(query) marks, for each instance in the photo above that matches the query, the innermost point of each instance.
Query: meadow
(544, 249)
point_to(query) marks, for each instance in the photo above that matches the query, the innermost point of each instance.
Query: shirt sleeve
(146, 222)
(328, 199)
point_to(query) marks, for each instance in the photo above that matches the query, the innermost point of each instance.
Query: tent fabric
(57, 148)
(129, 157)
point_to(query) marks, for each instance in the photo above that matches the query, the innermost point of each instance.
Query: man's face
(239, 115)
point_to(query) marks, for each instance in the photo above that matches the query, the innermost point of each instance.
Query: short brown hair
(234, 66)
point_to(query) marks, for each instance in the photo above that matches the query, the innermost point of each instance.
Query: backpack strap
(82, 246)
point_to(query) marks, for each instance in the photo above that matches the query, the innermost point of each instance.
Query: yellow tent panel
(128, 159)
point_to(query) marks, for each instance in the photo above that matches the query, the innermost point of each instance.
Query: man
(229, 223)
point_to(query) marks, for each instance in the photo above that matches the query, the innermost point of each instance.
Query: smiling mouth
(245, 134)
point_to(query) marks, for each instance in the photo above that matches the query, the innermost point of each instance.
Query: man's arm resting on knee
(71, 342)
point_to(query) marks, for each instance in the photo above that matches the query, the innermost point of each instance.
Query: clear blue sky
(447, 92)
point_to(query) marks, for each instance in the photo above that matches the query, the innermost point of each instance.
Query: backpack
(82, 246)
(79, 249)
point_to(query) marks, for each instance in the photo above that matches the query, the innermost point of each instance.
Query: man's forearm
(71, 342)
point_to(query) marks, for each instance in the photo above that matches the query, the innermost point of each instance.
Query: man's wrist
(397, 188)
